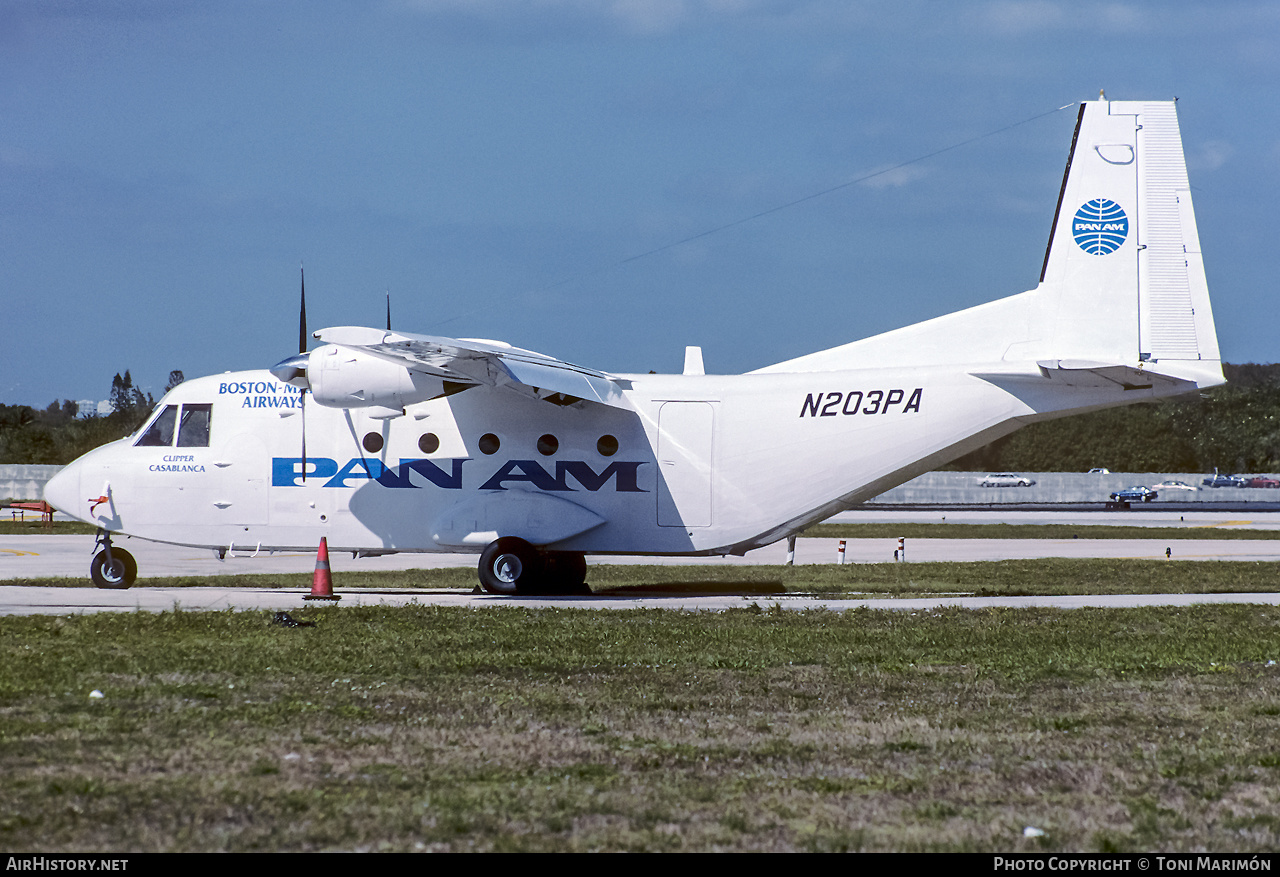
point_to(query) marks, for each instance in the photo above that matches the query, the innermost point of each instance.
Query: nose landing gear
(112, 568)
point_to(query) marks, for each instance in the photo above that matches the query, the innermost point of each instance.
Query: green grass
(513, 729)
(1030, 531)
(1042, 576)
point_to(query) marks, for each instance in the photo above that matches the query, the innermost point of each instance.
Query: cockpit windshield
(192, 427)
(160, 432)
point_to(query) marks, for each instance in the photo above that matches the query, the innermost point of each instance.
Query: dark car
(1216, 480)
(1134, 494)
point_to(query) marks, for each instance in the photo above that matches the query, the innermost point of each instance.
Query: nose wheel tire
(118, 574)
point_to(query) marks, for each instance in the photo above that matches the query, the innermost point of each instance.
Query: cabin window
(160, 433)
(548, 445)
(607, 446)
(372, 442)
(489, 444)
(193, 428)
(429, 443)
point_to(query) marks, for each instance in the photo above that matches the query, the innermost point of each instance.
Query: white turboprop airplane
(388, 442)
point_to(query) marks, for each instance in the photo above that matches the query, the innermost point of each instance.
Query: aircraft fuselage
(701, 464)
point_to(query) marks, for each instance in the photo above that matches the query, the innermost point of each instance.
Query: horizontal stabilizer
(1093, 375)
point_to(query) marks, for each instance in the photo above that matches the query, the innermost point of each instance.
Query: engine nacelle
(340, 377)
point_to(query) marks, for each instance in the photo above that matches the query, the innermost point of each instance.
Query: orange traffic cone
(322, 581)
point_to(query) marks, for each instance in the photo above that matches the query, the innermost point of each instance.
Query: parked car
(1005, 479)
(1134, 494)
(1216, 480)
(1099, 471)
(1262, 481)
(1175, 485)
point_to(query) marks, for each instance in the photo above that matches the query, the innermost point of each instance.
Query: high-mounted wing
(361, 367)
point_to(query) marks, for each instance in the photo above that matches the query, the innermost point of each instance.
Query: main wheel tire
(117, 575)
(509, 566)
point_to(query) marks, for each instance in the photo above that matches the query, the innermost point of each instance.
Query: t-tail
(1123, 277)
(1122, 298)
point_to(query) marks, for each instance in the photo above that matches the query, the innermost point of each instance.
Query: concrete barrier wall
(25, 482)
(964, 488)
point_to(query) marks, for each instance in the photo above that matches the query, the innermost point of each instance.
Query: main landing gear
(512, 566)
(112, 568)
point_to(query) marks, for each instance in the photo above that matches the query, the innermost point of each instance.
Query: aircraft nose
(63, 492)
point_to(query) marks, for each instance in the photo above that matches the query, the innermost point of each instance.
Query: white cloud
(895, 178)
(1022, 16)
(644, 17)
(1017, 17)
(1210, 155)
(649, 16)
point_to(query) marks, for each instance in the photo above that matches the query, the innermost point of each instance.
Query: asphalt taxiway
(30, 558)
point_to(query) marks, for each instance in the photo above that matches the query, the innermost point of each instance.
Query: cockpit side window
(161, 430)
(193, 431)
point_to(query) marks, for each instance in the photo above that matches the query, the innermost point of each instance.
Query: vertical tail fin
(1122, 282)
(1123, 279)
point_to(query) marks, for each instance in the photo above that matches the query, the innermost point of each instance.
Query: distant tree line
(1235, 428)
(60, 433)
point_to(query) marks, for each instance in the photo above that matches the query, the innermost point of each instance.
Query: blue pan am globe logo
(1100, 226)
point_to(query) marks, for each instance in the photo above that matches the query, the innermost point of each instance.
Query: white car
(1099, 471)
(1005, 479)
(1175, 485)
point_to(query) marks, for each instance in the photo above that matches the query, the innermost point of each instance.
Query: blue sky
(166, 166)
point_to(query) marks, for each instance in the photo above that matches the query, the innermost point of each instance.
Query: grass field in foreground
(1042, 576)
(519, 729)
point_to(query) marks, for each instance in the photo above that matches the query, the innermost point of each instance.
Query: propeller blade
(388, 310)
(302, 314)
(304, 436)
